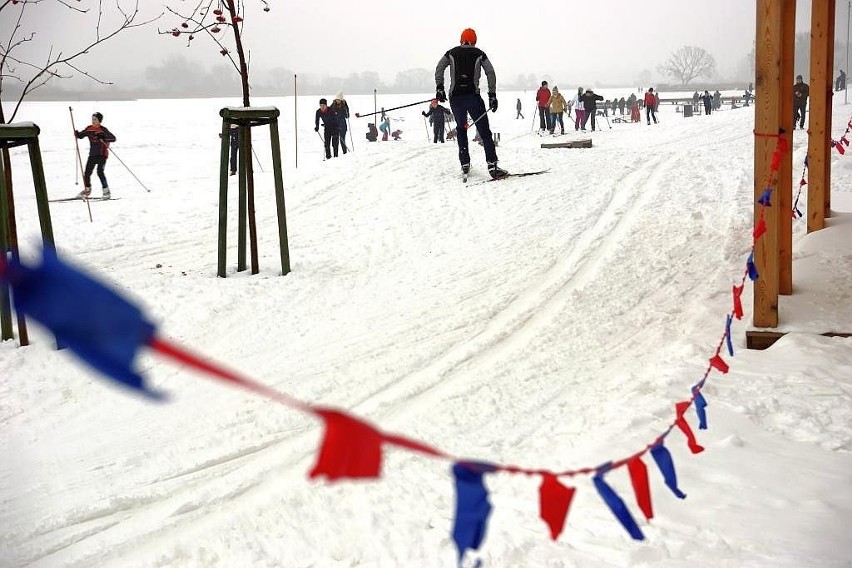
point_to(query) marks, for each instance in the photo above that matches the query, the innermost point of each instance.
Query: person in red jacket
(99, 139)
(542, 98)
(650, 105)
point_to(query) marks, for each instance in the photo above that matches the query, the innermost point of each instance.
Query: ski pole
(256, 158)
(359, 115)
(468, 125)
(128, 169)
(80, 162)
(426, 125)
(323, 144)
(351, 139)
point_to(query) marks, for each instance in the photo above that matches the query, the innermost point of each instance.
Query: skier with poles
(439, 115)
(340, 109)
(99, 140)
(331, 134)
(466, 62)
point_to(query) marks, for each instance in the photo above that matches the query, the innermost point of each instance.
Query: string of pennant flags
(840, 145)
(106, 331)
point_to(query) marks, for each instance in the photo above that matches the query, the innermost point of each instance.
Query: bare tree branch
(687, 63)
(53, 66)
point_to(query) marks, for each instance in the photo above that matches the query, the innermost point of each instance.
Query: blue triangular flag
(730, 345)
(97, 324)
(806, 161)
(664, 461)
(765, 197)
(700, 405)
(472, 506)
(616, 505)
(752, 269)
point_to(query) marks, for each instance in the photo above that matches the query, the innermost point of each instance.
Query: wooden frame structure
(774, 56)
(11, 135)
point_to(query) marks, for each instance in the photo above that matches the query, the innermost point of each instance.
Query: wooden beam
(764, 339)
(766, 125)
(818, 127)
(832, 14)
(785, 180)
(585, 143)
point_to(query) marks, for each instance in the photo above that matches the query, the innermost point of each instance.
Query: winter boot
(465, 169)
(85, 193)
(106, 193)
(496, 172)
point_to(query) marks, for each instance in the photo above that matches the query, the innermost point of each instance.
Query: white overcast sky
(572, 41)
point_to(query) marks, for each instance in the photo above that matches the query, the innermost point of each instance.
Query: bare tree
(205, 19)
(687, 63)
(35, 69)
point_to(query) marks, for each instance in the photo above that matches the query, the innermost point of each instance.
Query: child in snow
(99, 139)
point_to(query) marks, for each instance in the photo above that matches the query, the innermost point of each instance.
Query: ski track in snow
(411, 341)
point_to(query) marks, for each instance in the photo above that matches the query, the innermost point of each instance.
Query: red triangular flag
(641, 488)
(719, 364)
(844, 140)
(554, 502)
(760, 229)
(681, 422)
(802, 182)
(840, 148)
(738, 303)
(776, 160)
(350, 448)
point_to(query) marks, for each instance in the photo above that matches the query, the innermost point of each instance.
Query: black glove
(440, 94)
(99, 135)
(316, 128)
(423, 113)
(492, 102)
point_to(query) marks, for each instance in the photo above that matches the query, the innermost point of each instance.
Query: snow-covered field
(549, 322)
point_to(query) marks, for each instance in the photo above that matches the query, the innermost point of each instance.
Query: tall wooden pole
(829, 100)
(785, 180)
(766, 124)
(818, 128)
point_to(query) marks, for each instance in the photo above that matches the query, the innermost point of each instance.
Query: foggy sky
(612, 43)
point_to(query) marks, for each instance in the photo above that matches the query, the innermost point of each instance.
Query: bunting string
(106, 331)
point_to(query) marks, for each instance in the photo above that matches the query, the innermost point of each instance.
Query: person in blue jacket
(331, 134)
(439, 116)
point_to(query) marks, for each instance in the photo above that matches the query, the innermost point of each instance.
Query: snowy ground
(550, 321)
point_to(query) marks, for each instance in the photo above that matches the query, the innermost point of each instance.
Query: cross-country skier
(99, 139)
(439, 115)
(466, 63)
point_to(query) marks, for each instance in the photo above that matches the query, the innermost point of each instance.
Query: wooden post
(223, 199)
(829, 99)
(818, 127)
(279, 198)
(242, 201)
(766, 124)
(784, 202)
(5, 302)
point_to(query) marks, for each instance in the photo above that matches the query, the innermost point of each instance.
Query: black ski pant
(235, 147)
(543, 117)
(590, 114)
(473, 105)
(100, 162)
(343, 130)
(651, 112)
(331, 140)
(707, 108)
(799, 113)
(438, 130)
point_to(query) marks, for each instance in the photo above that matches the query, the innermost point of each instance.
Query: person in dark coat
(340, 108)
(518, 108)
(590, 104)
(801, 91)
(621, 104)
(99, 140)
(234, 139)
(372, 132)
(707, 99)
(331, 134)
(717, 100)
(438, 116)
(466, 63)
(840, 83)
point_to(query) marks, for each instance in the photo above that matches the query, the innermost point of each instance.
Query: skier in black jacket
(331, 132)
(590, 103)
(801, 91)
(466, 62)
(439, 115)
(99, 139)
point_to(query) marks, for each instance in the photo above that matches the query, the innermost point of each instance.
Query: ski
(69, 199)
(521, 174)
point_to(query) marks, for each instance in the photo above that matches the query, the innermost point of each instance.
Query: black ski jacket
(466, 63)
